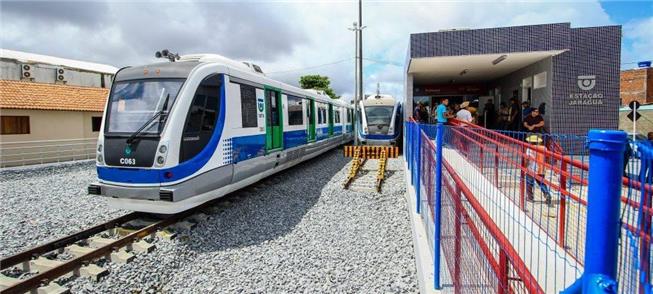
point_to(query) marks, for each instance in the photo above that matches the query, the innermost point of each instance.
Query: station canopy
(472, 68)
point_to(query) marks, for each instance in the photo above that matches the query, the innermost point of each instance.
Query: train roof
(186, 63)
(379, 99)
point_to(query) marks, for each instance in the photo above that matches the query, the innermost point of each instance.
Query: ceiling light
(501, 58)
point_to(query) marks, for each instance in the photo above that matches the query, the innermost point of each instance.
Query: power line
(309, 67)
(384, 62)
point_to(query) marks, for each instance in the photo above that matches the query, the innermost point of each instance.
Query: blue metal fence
(607, 202)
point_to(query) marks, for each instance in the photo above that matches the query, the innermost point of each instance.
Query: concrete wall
(636, 84)
(513, 81)
(44, 73)
(54, 136)
(53, 125)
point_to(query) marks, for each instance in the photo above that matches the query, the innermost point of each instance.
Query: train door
(330, 116)
(310, 114)
(273, 119)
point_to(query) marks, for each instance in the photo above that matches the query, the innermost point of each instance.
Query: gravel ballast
(48, 202)
(297, 231)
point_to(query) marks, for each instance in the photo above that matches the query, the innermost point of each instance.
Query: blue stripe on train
(294, 138)
(247, 147)
(243, 148)
(337, 129)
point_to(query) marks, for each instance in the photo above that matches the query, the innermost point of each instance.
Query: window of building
(337, 116)
(14, 125)
(295, 116)
(96, 121)
(248, 106)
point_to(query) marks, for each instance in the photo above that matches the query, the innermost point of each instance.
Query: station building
(572, 72)
(50, 108)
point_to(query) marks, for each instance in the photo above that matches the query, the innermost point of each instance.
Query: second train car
(380, 120)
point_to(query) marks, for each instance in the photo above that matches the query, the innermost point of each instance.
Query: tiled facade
(589, 52)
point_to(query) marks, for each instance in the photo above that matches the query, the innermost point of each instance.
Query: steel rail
(65, 241)
(71, 265)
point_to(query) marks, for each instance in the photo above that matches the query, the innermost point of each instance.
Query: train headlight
(163, 149)
(160, 159)
(365, 129)
(99, 148)
(100, 159)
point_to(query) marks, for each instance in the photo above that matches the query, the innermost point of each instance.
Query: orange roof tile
(30, 95)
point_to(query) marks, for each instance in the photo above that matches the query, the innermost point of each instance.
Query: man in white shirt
(463, 114)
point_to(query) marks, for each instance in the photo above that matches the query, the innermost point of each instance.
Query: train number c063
(128, 161)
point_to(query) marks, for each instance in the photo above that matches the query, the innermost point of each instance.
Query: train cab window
(248, 106)
(337, 116)
(201, 118)
(295, 114)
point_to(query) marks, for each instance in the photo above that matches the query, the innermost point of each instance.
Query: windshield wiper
(159, 115)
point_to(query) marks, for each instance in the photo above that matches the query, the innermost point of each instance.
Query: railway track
(36, 269)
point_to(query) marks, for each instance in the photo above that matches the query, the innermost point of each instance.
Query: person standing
(536, 171)
(489, 114)
(441, 112)
(513, 116)
(416, 112)
(534, 122)
(463, 114)
(504, 114)
(525, 112)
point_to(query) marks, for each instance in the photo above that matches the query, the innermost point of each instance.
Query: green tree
(318, 82)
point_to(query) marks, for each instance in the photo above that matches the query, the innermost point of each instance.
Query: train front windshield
(133, 103)
(378, 115)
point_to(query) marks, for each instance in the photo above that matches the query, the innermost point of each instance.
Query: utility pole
(358, 96)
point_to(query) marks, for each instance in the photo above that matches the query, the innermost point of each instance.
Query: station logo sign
(586, 83)
(586, 96)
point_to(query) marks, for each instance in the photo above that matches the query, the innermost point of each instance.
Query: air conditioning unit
(60, 76)
(26, 72)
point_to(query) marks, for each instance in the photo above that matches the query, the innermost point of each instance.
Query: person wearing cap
(535, 164)
(534, 122)
(463, 114)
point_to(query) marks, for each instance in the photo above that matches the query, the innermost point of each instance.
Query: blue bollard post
(603, 223)
(418, 168)
(437, 205)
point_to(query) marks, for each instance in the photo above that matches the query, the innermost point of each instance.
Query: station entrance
(487, 82)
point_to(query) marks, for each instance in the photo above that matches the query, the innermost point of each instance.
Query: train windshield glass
(133, 103)
(378, 115)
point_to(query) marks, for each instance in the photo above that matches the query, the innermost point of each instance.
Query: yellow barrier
(372, 152)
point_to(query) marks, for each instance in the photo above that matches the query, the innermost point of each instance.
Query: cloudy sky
(291, 38)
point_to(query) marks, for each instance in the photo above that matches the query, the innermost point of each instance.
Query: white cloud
(279, 35)
(639, 35)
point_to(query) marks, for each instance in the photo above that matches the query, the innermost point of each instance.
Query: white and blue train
(380, 120)
(178, 134)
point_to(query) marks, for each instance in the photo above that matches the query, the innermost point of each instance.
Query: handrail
(519, 265)
(627, 182)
